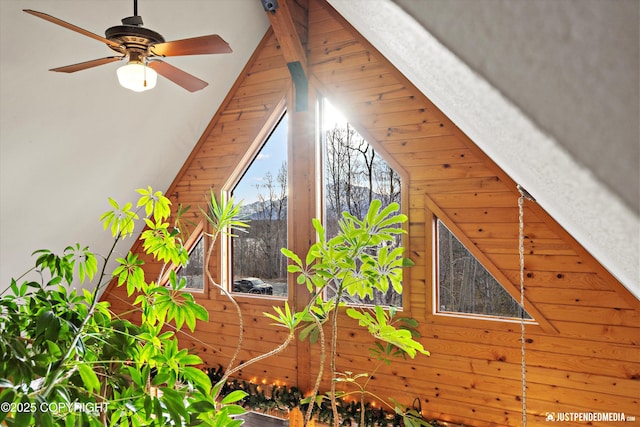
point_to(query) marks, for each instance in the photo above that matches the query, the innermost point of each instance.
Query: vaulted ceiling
(548, 89)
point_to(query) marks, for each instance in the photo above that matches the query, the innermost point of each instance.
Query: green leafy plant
(397, 345)
(67, 359)
(357, 261)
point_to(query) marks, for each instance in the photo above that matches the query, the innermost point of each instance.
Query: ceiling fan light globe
(137, 77)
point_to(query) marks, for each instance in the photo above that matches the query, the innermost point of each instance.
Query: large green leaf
(197, 378)
(89, 377)
(234, 396)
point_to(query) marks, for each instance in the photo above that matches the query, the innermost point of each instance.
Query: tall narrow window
(354, 175)
(193, 272)
(465, 286)
(257, 265)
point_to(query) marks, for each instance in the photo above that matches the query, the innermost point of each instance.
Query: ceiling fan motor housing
(132, 36)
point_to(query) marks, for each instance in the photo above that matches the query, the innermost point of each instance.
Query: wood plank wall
(586, 356)
(583, 354)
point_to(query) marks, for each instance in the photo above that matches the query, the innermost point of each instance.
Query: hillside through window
(354, 175)
(465, 286)
(257, 265)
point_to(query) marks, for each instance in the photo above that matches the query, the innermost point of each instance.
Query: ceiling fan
(143, 47)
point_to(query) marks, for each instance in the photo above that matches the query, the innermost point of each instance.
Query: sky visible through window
(273, 154)
(257, 265)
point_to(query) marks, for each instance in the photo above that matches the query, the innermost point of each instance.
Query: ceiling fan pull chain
(146, 62)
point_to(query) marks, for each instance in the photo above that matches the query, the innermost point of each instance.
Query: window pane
(193, 272)
(354, 175)
(258, 266)
(465, 286)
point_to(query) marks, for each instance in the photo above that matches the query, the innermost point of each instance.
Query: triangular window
(465, 285)
(193, 272)
(256, 264)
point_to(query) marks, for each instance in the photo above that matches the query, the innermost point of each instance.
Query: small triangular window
(464, 284)
(193, 272)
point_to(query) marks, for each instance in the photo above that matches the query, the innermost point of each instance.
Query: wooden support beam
(302, 207)
(301, 84)
(288, 18)
(289, 22)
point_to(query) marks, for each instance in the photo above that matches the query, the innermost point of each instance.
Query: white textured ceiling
(571, 65)
(67, 142)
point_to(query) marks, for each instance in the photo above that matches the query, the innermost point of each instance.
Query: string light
(280, 400)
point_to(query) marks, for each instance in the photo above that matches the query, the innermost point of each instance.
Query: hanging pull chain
(523, 195)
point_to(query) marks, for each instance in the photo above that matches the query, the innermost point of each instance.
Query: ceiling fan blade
(71, 27)
(179, 77)
(88, 64)
(193, 46)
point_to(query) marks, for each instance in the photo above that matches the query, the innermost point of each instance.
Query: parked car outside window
(252, 285)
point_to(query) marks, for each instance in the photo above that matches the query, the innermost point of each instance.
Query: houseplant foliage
(361, 258)
(66, 359)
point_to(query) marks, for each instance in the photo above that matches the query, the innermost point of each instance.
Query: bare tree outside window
(465, 286)
(354, 175)
(258, 266)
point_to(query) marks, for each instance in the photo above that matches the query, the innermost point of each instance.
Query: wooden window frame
(404, 190)
(197, 234)
(432, 214)
(226, 246)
